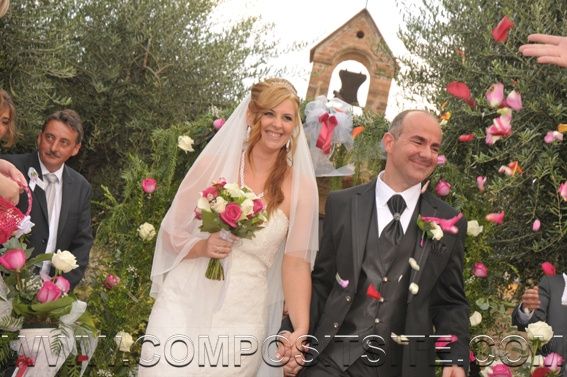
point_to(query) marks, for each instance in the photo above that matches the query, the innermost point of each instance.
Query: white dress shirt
(54, 221)
(384, 193)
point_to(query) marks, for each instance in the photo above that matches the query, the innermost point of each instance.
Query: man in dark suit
(61, 196)
(548, 303)
(372, 313)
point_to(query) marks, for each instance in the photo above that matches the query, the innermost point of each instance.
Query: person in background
(61, 209)
(546, 302)
(11, 179)
(549, 49)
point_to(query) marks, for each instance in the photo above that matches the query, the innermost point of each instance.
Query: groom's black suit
(351, 250)
(74, 233)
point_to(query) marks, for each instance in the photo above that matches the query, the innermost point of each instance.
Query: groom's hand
(453, 371)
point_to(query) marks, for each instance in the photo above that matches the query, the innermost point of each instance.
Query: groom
(372, 314)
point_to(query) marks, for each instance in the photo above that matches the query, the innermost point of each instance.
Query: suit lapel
(67, 191)
(360, 220)
(38, 193)
(423, 248)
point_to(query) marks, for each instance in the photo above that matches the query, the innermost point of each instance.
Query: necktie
(50, 192)
(393, 232)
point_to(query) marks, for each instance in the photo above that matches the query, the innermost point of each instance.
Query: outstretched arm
(549, 49)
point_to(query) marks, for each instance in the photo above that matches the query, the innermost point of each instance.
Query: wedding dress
(226, 339)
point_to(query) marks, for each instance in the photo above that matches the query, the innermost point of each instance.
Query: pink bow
(328, 124)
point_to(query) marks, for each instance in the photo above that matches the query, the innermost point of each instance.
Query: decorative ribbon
(34, 179)
(328, 124)
(23, 362)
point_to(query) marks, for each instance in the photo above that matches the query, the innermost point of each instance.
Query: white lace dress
(201, 337)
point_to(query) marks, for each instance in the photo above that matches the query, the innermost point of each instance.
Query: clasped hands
(530, 299)
(290, 352)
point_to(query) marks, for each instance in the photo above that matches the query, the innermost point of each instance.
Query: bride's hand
(219, 245)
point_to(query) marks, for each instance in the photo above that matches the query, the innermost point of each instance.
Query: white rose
(146, 231)
(233, 189)
(219, 205)
(473, 228)
(64, 261)
(540, 330)
(436, 231)
(250, 195)
(203, 204)
(247, 207)
(124, 341)
(185, 143)
(475, 319)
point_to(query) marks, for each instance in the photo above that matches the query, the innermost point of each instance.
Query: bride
(226, 328)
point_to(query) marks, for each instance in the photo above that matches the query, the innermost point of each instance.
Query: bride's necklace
(260, 195)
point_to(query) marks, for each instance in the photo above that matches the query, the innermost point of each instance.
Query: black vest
(387, 268)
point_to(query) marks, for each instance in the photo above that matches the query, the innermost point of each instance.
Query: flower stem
(214, 270)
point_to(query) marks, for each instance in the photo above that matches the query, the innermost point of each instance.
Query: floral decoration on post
(228, 207)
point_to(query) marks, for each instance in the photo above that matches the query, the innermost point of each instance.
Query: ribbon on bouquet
(22, 364)
(328, 124)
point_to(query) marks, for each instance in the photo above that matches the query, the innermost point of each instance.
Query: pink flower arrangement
(496, 218)
(500, 32)
(230, 208)
(480, 270)
(13, 259)
(443, 188)
(149, 185)
(111, 281)
(548, 269)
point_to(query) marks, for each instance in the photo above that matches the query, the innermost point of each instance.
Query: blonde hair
(7, 103)
(266, 95)
(4, 5)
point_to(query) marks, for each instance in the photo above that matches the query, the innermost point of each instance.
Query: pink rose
(62, 283)
(258, 206)
(13, 259)
(495, 218)
(536, 225)
(48, 292)
(480, 270)
(149, 185)
(443, 188)
(210, 193)
(441, 160)
(500, 370)
(218, 123)
(111, 281)
(514, 100)
(548, 269)
(231, 214)
(553, 361)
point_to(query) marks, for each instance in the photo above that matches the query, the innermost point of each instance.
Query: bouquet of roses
(230, 208)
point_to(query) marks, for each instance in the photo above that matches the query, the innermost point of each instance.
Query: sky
(311, 21)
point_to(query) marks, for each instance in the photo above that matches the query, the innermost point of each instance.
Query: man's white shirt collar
(58, 173)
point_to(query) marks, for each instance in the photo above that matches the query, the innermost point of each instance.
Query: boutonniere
(34, 179)
(434, 227)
